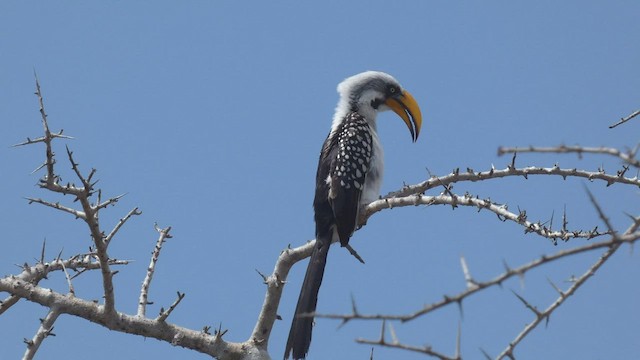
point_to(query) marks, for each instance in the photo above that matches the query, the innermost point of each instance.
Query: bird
(349, 175)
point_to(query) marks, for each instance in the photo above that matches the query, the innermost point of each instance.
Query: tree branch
(275, 285)
(630, 237)
(45, 330)
(628, 157)
(457, 176)
(625, 119)
(467, 200)
(161, 330)
(144, 291)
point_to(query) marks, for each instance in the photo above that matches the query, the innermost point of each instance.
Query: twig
(120, 223)
(625, 119)
(164, 314)
(66, 274)
(8, 302)
(50, 177)
(144, 291)
(112, 201)
(45, 330)
(426, 350)
(628, 157)
(77, 213)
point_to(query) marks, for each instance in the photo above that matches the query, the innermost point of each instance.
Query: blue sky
(210, 116)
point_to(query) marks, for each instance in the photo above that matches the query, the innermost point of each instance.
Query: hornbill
(349, 175)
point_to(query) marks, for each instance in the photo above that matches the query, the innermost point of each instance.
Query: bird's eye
(392, 90)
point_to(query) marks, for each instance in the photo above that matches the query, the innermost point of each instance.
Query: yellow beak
(407, 108)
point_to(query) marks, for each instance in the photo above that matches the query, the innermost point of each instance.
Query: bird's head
(373, 91)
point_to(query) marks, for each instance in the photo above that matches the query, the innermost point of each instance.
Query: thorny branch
(458, 176)
(467, 200)
(25, 285)
(396, 344)
(628, 156)
(34, 274)
(615, 243)
(477, 286)
(415, 195)
(45, 330)
(144, 292)
(626, 118)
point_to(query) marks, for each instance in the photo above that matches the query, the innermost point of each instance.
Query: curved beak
(407, 108)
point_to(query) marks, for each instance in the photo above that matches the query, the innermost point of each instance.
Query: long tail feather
(302, 326)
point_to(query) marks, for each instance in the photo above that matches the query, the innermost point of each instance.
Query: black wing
(349, 168)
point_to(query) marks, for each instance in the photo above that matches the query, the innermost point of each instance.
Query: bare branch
(275, 285)
(631, 236)
(72, 292)
(493, 174)
(426, 350)
(212, 345)
(78, 214)
(467, 200)
(625, 119)
(8, 302)
(508, 351)
(30, 141)
(164, 314)
(144, 292)
(627, 157)
(45, 330)
(50, 177)
(111, 201)
(120, 223)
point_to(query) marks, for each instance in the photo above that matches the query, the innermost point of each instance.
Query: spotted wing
(349, 169)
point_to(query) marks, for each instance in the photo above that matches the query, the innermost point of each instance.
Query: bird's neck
(345, 108)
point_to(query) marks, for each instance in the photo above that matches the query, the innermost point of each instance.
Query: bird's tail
(301, 326)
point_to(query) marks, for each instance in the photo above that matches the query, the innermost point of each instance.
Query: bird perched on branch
(349, 175)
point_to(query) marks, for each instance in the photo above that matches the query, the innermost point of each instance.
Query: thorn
(460, 308)
(394, 337)
(264, 277)
(513, 161)
(44, 246)
(486, 355)
(354, 309)
(467, 274)
(603, 217)
(458, 352)
(219, 333)
(562, 294)
(526, 303)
